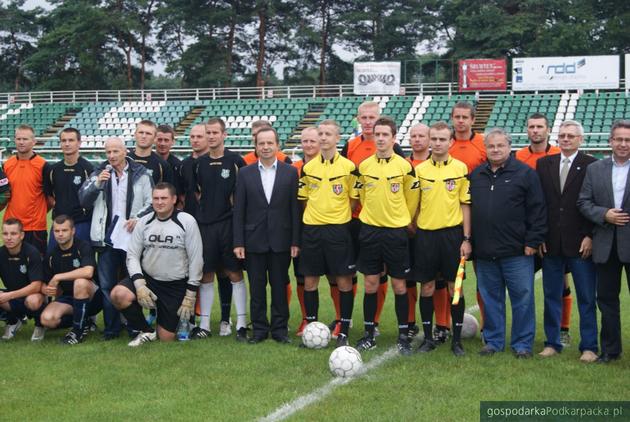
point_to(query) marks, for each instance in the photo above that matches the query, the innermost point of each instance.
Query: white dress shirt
(619, 179)
(119, 193)
(268, 177)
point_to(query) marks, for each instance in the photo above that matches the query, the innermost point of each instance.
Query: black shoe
(440, 335)
(413, 331)
(522, 354)
(342, 340)
(458, 349)
(256, 340)
(427, 346)
(282, 339)
(487, 351)
(241, 335)
(73, 337)
(606, 358)
(366, 343)
(198, 333)
(404, 346)
(110, 336)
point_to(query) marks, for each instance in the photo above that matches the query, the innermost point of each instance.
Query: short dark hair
(267, 129)
(441, 125)
(62, 218)
(14, 222)
(619, 124)
(386, 121)
(71, 130)
(147, 123)
(216, 121)
(466, 106)
(165, 185)
(166, 129)
(538, 116)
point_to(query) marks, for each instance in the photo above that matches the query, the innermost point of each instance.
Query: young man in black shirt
(159, 170)
(62, 182)
(215, 180)
(21, 273)
(69, 270)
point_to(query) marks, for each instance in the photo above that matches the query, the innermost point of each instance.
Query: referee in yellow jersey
(326, 186)
(443, 234)
(388, 192)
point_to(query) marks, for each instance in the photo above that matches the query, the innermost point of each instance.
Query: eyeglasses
(567, 136)
(620, 140)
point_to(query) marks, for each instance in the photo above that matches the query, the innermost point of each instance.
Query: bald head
(310, 142)
(419, 138)
(199, 140)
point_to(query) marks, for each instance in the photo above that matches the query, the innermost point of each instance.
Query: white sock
(239, 295)
(206, 298)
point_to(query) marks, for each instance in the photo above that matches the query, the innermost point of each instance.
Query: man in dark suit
(605, 200)
(568, 242)
(266, 234)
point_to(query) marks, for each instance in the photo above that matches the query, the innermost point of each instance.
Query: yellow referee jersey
(443, 188)
(388, 190)
(327, 186)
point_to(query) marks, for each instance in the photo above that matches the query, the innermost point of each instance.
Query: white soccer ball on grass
(345, 361)
(316, 335)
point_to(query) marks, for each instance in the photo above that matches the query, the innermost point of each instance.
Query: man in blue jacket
(509, 222)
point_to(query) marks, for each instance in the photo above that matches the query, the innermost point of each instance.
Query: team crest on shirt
(76, 180)
(337, 188)
(76, 263)
(23, 269)
(225, 173)
(395, 187)
(450, 185)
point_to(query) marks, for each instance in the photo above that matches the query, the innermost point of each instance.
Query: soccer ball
(345, 362)
(316, 335)
(470, 326)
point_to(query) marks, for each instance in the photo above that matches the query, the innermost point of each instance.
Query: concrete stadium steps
(311, 118)
(185, 124)
(482, 113)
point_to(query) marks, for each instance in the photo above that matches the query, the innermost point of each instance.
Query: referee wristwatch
(467, 238)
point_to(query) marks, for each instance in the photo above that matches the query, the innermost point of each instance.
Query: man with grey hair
(509, 222)
(568, 242)
(604, 200)
(120, 192)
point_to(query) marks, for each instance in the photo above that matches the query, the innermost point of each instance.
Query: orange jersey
(358, 149)
(527, 156)
(251, 158)
(28, 202)
(471, 152)
(298, 165)
(414, 163)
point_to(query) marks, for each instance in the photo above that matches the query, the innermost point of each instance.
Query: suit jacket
(260, 226)
(596, 198)
(566, 225)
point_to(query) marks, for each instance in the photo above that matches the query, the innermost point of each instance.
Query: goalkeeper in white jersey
(165, 264)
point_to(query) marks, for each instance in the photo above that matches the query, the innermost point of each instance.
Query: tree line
(112, 44)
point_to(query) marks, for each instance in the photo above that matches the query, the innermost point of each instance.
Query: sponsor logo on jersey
(160, 239)
(4, 182)
(337, 188)
(395, 187)
(76, 263)
(76, 180)
(23, 269)
(450, 185)
(225, 173)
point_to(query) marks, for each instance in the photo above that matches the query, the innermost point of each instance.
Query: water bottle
(183, 330)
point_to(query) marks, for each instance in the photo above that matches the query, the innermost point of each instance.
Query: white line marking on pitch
(288, 409)
(300, 403)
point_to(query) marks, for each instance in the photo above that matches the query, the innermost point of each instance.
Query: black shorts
(67, 288)
(326, 249)
(169, 298)
(218, 252)
(37, 238)
(384, 246)
(437, 251)
(65, 299)
(354, 225)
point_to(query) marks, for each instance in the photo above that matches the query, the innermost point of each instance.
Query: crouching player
(69, 268)
(326, 183)
(165, 264)
(21, 273)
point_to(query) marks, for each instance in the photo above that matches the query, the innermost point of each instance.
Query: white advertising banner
(376, 78)
(627, 65)
(556, 73)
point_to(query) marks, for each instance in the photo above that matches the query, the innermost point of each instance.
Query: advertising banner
(482, 75)
(376, 78)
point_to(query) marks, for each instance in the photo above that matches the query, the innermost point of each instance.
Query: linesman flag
(459, 280)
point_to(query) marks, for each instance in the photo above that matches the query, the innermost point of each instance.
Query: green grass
(219, 379)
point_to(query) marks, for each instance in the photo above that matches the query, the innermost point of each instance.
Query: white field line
(288, 409)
